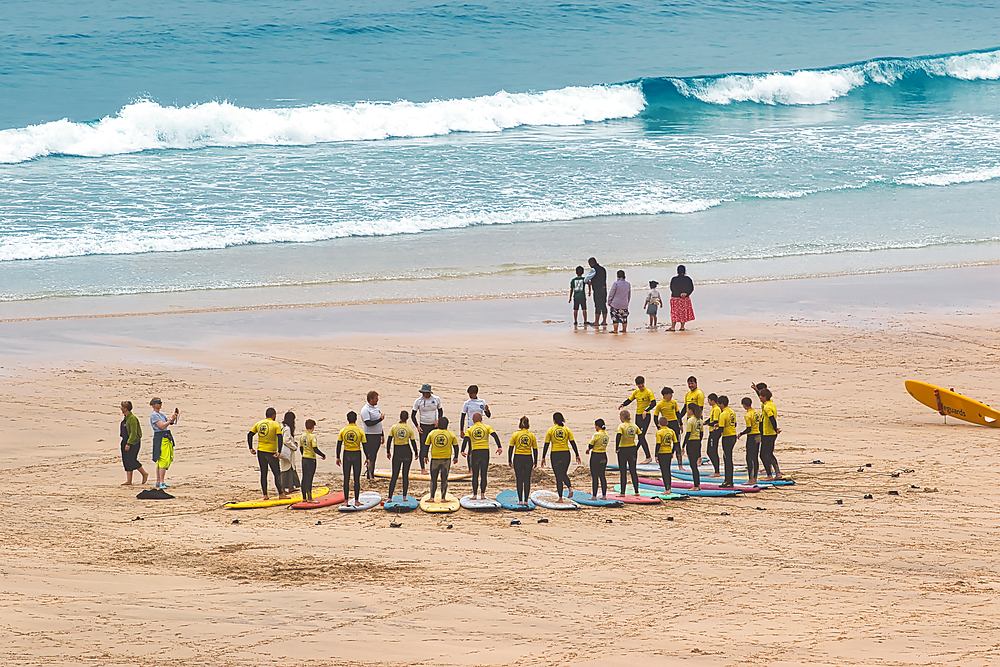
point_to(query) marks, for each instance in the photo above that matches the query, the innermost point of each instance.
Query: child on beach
(692, 442)
(578, 295)
(667, 407)
(598, 460)
(666, 442)
(752, 432)
(351, 438)
(714, 432)
(653, 303)
(309, 446)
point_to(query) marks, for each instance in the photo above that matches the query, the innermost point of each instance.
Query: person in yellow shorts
(269, 442)
(163, 441)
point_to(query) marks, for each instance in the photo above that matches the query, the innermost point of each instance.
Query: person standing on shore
(769, 434)
(351, 439)
(522, 456)
(471, 407)
(309, 446)
(681, 287)
(426, 412)
(597, 279)
(402, 436)
(560, 438)
(131, 433)
(653, 303)
(645, 401)
(163, 441)
(269, 441)
(372, 417)
(477, 437)
(578, 296)
(598, 450)
(618, 298)
(444, 452)
(287, 454)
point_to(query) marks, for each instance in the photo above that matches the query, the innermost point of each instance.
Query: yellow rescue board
(275, 502)
(954, 405)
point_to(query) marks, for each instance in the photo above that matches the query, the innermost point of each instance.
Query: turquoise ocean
(382, 150)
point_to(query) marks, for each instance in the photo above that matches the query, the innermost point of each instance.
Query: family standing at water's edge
(617, 299)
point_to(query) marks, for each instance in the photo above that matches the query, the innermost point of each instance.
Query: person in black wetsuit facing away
(597, 280)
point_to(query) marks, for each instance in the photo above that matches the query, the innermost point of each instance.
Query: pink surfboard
(685, 484)
(633, 500)
(329, 499)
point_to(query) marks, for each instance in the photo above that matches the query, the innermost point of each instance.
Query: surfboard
(649, 469)
(450, 503)
(398, 504)
(584, 498)
(274, 502)
(549, 500)
(951, 404)
(508, 501)
(703, 493)
(368, 499)
(453, 476)
(687, 484)
(319, 501)
(470, 503)
(633, 499)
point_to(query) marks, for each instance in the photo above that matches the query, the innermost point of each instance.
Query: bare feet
(145, 476)
(647, 462)
(283, 496)
(126, 483)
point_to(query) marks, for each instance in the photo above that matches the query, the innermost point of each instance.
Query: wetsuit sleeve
(745, 431)
(618, 440)
(534, 455)
(487, 411)
(317, 450)
(413, 444)
(572, 443)
(774, 422)
(466, 441)
(372, 422)
(250, 440)
(510, 454)
(281, 441)
(626, 401)
(388, 445)
(496, 438)
(545, 449)
(413, 416)
(461, 426)
(440, 413)
(339, 445)
(455, 448)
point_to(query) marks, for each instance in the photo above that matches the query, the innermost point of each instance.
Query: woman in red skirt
(681, 287)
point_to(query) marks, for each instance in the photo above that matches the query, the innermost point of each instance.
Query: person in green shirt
(131, 434)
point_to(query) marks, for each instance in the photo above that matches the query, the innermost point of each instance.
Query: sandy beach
(93, 576)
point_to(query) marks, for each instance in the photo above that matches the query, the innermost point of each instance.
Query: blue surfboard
(508, 501)
(400, 504)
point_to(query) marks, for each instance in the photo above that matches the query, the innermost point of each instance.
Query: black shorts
(579, 302)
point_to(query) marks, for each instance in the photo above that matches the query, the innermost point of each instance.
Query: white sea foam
(146, 125)
(76, 243)
(812, 87)
(974, 176)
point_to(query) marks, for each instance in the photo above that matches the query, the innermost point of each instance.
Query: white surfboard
(549, 500)
(369, 499)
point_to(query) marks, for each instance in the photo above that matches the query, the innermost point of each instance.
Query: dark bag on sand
(154, 494)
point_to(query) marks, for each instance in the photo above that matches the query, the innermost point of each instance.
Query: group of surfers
(439, 447)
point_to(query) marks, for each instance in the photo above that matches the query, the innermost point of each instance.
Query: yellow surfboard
(449, 504)
(275, 502)
(950, 404)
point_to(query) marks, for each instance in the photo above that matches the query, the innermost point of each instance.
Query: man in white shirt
(471, 407)
(372, 417)
(426, 412)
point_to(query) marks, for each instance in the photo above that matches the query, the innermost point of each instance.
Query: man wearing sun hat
(426, 412)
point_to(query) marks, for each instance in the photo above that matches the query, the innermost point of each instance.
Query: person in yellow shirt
(309, 448)
(560, 438)
(269, 442)
(405, 439)
(645, 401)
(443, 448)
(752, 432)
(692, 443)
(522, 456)
(714, 432)
(768, 434)
(694, 396)
(727, 424)
(477, 438)
(351, 438)
(667, 407)
(625, 448)
(598, 450)
(666, 443)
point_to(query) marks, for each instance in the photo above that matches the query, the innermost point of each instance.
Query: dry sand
(782, 577)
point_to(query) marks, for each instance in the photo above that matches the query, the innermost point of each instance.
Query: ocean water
(272, 151)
